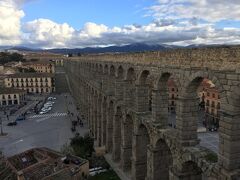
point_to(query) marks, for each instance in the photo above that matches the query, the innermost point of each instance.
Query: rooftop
(26, 75)
(10, 90)
(44, 163)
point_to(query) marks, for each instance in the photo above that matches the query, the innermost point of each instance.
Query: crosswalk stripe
(48, 115)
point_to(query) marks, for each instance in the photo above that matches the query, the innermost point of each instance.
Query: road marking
(21, 140)
(48, 115)
(43, 119)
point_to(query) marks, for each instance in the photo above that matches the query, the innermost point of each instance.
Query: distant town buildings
(31, 82)
(43, 163)
(10, 96)
(209, 101)
(40, 67)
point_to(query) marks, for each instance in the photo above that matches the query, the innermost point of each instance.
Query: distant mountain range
(138, 47)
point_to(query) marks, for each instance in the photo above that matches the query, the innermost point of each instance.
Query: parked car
(51, 98)
(47, 105)
(46, 109)
(43, 112)
(12, 123)
(20, 118)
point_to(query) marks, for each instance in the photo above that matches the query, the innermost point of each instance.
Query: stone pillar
(95, 116)
(142, 98)
(129, 94)
(126, 147)
(119, 89)
(160, 108)
(229, 141)
(104, 82)
(116, 153)
(139, 158)
(104, 123)
(99, 118)
(109, 135)
(186, 120)
(111, 85)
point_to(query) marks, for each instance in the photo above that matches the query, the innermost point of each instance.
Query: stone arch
(187, 110)
(142, 79)
(112, 70)
(140, 141)
(143, 92)
(120, 72)
(130, 74)
(162, 160)
(163, 105)
(105, 70)
(127, 135)
(129, 88)
(117, 139)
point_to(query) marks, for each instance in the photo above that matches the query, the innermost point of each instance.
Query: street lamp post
(1, 126)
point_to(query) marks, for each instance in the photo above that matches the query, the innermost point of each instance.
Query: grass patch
(109, 175)
(211, 157)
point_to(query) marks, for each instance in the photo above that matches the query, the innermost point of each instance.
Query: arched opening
(127, 135)
(144, 92)
(120, 72)
(119, 84)
(165, 96)
(129, 88)
(162, 161)
(139, 166)
(111, 81)
(199, 113)
(172, 102)
(117, 134)
(112, 71)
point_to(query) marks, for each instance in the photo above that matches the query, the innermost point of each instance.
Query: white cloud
(209, 10)
(10, 22)
(47, 33)
(176, 22)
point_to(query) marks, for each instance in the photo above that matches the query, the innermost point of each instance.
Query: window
(15, 96)
(208, 94)
(207, 103)
(173, 89)
(213, 104)
(213, 95)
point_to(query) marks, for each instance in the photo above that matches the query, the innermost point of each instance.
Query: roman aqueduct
(124, 98)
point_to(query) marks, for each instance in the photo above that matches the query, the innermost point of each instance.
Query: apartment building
(31, 82)
(10, 96)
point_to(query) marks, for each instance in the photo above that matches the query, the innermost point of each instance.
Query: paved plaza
(50, 130)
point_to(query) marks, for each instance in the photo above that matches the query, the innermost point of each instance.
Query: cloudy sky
(82, 23)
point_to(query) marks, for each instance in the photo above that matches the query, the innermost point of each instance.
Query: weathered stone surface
(124, 98)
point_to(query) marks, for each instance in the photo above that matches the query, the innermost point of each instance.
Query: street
(50, 130)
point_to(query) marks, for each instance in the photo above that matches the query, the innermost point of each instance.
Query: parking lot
(52, 129)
